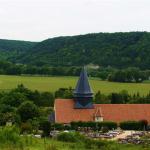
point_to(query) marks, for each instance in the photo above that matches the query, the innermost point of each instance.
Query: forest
(117, 50)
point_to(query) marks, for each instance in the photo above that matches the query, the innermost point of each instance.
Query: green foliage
(105, 49)
(11, 140)
(26, 127)
(58, 126)
(70, 137)
(11, 49)
(87, 143)
(101, 98)
(13, 99)
(119, 50)
(110, 125)
(9, 135)
(94, 125)
(45, 126)
(132, 125)
(28, 110)
(128, 75)
(64, 93)
(119, 98)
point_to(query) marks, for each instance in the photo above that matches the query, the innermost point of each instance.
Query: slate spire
(83, 94)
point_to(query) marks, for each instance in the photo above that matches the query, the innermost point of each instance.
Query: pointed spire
(83, 94)
(83, 87)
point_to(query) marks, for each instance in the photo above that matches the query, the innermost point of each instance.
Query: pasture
(54, 83)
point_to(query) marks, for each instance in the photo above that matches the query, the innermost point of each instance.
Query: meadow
(53, 83)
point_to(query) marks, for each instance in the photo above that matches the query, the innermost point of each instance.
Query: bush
(10, 135)
(58, 126)
(71, 137)
(67, 137)
(104, 129)
(26, 127)
(109, 125)
(45, 126)
(131, 125)
(28, 110)
(94, 125)
(75, 125)
(144, 124)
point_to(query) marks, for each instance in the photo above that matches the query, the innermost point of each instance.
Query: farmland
(54, 83)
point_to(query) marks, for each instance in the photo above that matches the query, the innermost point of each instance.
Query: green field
(53, 83)
(49, 144)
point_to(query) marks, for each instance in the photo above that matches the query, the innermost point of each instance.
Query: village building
(81, 107)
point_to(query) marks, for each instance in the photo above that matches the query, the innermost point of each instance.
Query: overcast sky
(37, 20)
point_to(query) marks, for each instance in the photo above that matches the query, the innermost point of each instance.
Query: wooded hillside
(119, 50)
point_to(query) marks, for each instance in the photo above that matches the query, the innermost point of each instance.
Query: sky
(37, 20)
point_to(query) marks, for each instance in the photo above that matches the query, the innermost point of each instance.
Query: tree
(98, 97)
(13, 99)
(116, 98)
(28, 110)
(64, 93)
(45, 126)
(47, 99)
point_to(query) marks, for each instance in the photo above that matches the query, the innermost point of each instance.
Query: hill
(11, 48)
(118, 50)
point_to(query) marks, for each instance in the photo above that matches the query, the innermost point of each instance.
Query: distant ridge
(118, 50)
(12, 48)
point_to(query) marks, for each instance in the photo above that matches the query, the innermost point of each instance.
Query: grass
(53, 83)
(11, 140)
(49, 144)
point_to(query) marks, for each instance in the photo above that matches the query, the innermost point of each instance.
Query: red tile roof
(65, 112)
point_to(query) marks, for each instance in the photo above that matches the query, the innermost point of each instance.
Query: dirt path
(123, 135)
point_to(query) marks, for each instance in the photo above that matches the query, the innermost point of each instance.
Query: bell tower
(83, 94)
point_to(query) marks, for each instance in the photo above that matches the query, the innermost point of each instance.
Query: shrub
(131, 125)
(94, 125)
(58, 126)
(10, 135)
(110, 125)
(26, 127)
(144, 124)
(67, 137)
(104, 129)
(28, 110)
(71, 137)
(45, 126)
(75, 125)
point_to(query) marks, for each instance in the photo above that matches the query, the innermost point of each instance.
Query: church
(81, 107)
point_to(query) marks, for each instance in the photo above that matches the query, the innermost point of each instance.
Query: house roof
(65, 112)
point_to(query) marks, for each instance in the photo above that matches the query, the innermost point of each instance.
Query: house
(81, 107)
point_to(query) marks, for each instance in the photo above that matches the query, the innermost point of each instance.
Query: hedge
(131, 125)
(94, 125)
(110, 125)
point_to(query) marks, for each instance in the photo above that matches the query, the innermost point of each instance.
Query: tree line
(131, 74)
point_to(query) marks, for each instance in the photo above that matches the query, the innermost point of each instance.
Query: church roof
(65, 112)
(83, 87)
